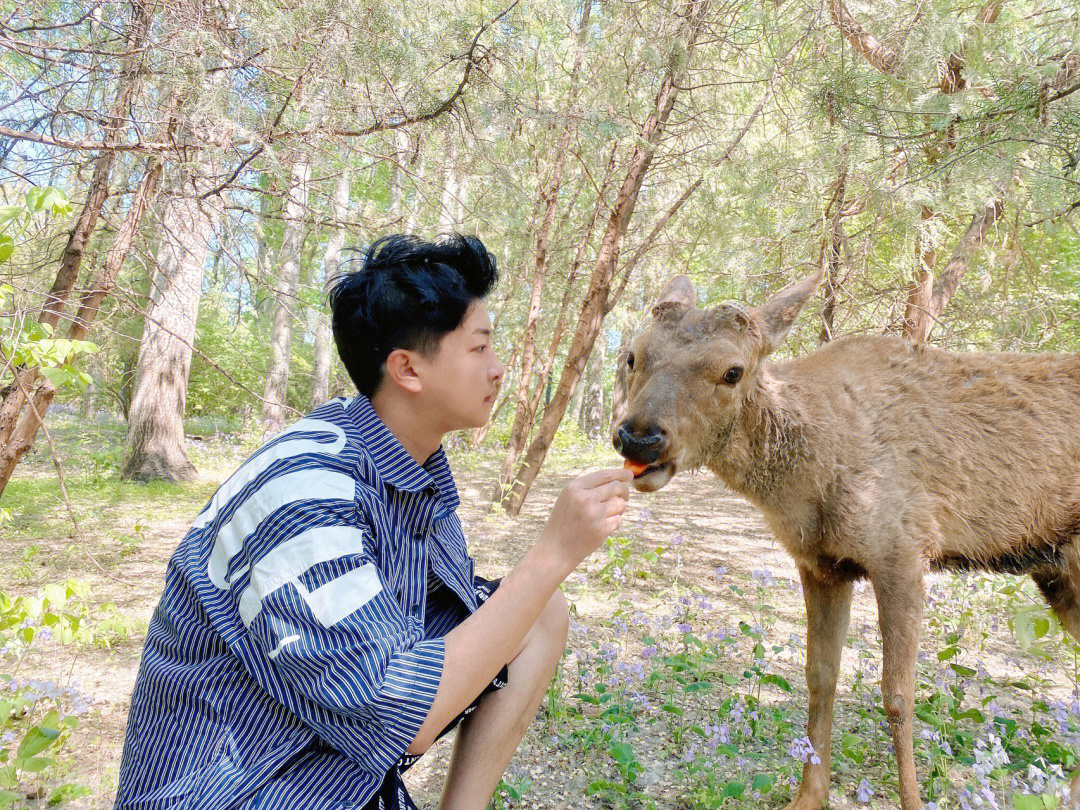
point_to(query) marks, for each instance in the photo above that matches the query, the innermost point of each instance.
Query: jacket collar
(392, 461)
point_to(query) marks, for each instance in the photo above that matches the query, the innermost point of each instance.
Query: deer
(870, 459)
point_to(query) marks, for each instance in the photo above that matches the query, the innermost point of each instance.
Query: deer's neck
(764, 443)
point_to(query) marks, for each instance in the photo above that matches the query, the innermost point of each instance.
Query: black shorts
(392, 794)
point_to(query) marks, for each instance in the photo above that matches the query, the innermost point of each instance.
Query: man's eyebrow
(482, 331)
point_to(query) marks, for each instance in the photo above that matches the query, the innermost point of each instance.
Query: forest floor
(682, 685)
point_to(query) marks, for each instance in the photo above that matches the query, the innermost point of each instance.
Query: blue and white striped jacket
(297, 646)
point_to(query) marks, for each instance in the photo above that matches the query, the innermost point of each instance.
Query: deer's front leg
(899, 594)
(827, 609)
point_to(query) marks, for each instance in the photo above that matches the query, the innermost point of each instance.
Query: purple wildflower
(864, 792)
(803, 750)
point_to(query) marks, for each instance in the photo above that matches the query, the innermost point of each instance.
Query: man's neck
(409, 425)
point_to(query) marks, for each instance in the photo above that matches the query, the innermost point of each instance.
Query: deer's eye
(630, 360)
(733, 375)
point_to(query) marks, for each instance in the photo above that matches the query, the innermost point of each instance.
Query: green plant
(507, 792)
(37, 717)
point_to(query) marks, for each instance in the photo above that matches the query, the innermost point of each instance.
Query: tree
(277, 374)
(155, 438)
(321, 386)
(67, 274)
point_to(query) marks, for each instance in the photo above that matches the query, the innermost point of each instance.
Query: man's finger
(612, 489)
(616, 506)
(601, 477)
(611, 524)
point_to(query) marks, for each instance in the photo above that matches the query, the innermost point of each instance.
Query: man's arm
(586, 512)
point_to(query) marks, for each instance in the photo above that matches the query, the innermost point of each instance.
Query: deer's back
(988, 442)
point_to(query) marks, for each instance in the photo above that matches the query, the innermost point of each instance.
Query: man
(321, 623)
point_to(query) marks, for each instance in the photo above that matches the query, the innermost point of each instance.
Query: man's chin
(655, 477)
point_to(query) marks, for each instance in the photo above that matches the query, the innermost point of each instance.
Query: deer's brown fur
(868, 458)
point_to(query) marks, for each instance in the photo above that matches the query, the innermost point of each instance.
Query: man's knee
(550, 630)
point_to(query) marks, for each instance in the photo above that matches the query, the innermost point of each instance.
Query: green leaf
(763, 782)
(623, 754)
(1026, 801)
(601, 785)
(1042, 626)
(58, 202)
(853, 747)
(66, 793)
(970, 714)
(35, 198)
(51, 721)
(34, 764)
(7, 798)
(776, 680)
(671, 708)
(965, 672)
(7, 247)
(56, 594)
(732, 789)
(57, 376)
(36, 740)
(947, 653)
(1024, 630)
(8, 213)
(698, 686)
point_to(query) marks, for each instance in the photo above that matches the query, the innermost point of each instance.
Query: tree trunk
(548, 201)
(26, 429)
(71, 259)
(918, 298)
(924, 314)
(593, 307)
(875, 52)
(619, 392)
(832, 248)
(277, 375)
(323, 337)
(397, 175)
(592, 412)
(155, 437)
(568, 290)
(259, 294)
(448, 199)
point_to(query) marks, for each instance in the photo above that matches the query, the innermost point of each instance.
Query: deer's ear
(779, 312)
(677, 293)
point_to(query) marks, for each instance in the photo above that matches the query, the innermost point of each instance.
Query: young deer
(868, 458)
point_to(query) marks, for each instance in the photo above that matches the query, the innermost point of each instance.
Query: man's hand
(586, 512)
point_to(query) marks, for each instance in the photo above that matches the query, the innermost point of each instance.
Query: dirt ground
(701, 525)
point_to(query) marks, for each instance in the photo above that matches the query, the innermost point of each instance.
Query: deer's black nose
(644, 444)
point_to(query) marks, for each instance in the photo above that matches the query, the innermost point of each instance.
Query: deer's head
(690, 372)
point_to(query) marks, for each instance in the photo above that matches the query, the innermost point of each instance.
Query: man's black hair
(407, 294)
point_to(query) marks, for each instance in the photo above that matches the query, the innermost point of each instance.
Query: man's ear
(400, 371)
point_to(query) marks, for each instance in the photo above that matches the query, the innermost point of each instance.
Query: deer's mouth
(654, 476)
